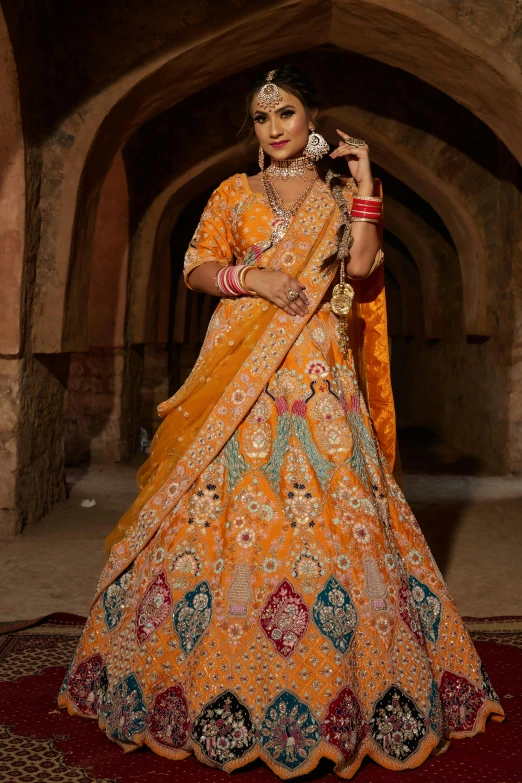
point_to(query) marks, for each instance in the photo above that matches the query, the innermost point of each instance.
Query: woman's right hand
(273, 285)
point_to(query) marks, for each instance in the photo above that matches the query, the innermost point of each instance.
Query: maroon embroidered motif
(408, 613)
(154, 608)
(168, 721)
(83, 685)
(343, 724)
(285, 618)
(461, 701)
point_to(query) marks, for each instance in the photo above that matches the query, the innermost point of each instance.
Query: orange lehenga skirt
(290, 608)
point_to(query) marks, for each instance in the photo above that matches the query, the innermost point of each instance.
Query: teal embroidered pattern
(289, 730)
(192, 615)
(113, 600)
(125, 711)
(335, 615)
(429, 608)
(236, 464)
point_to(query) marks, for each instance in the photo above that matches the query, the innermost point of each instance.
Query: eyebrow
(278, 111)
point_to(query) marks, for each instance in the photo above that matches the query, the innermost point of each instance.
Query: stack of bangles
(366, 209)
(230, 281)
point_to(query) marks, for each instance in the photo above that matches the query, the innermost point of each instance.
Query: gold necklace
(283, 214)
(291, 167)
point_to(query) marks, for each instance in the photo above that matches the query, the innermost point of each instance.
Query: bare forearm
(202, 278)
(365, 240)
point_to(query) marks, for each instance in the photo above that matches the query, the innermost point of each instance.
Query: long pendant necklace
(283, 214)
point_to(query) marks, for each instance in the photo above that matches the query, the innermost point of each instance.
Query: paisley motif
(285, 618)
(289, 730)
(83, 685)
(124, 714)
(335, 615)
(154, 608)
(343, 725)
(224, 729)
(168, 721)
(113, 599)
(461, 701)
(397, 725)
(429, 608)
(192, 615)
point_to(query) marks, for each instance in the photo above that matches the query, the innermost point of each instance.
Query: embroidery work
(278, 580)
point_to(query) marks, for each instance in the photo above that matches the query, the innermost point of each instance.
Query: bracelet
(368, 198)
(365, 220)
(241, 278)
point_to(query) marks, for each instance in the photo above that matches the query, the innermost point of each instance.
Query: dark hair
(292, 80)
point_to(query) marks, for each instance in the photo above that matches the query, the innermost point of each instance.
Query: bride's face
(282, 131)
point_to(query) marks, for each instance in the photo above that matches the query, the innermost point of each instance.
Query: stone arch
(439, 52)
(405, 276)
(416, 235)
(12, 199)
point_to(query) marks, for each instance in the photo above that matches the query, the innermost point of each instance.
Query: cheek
(297, 124)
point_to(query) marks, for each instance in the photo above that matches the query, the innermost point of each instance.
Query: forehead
(287, 98)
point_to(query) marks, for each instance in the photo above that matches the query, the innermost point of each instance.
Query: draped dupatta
(246, 341)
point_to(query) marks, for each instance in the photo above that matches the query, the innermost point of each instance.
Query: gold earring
(261, 158)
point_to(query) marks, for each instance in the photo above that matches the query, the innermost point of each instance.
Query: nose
(275, 126)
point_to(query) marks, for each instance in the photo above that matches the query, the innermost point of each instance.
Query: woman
(269, 593)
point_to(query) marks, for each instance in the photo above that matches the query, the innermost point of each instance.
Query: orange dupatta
(227, 379)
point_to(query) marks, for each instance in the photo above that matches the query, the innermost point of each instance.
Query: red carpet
(41, 743)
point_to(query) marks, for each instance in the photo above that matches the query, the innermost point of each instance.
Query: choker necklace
(291, 167)
(283, 214)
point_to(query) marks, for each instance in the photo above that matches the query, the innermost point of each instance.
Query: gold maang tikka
(269, 95)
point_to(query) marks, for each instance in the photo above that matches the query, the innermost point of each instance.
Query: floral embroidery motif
(168, 722)
(343, 724)
(428, 607)
(335, 615)
(192, 615)
(84, 683)
(224, 729)
(285, 618)
(461, 701)
(409, 614)
(289, 730)
(154, 608)
(375, 586)
(125, 711)
(397, 725)
(309, 564)
(113, 599)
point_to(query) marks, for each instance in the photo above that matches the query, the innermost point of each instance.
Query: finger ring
(292, 294)
(354, 142)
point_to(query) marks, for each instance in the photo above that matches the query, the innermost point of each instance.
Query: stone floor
(472, 522)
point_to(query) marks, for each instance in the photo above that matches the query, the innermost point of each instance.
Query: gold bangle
(369, 198)
(365, 220)
(378, 261)
(241, 280)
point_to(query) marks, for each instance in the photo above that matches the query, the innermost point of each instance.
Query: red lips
(279, 143)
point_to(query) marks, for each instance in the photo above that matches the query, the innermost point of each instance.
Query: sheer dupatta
(246, 341)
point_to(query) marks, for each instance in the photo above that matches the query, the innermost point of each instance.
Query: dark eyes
(284, 114)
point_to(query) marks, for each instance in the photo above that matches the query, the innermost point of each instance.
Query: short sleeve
(212, 240)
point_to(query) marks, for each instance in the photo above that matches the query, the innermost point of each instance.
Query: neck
(290, 167)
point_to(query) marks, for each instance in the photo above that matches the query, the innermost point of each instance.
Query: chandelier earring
(261, 158)
(317, 145)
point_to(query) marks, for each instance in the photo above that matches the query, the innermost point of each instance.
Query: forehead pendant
(269, 96)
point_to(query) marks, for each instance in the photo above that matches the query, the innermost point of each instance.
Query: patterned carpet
(41, 743)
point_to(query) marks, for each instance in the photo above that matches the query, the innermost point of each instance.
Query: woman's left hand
(358, 159)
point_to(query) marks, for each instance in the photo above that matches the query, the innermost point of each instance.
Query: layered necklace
(292, 167)
(283, 213)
